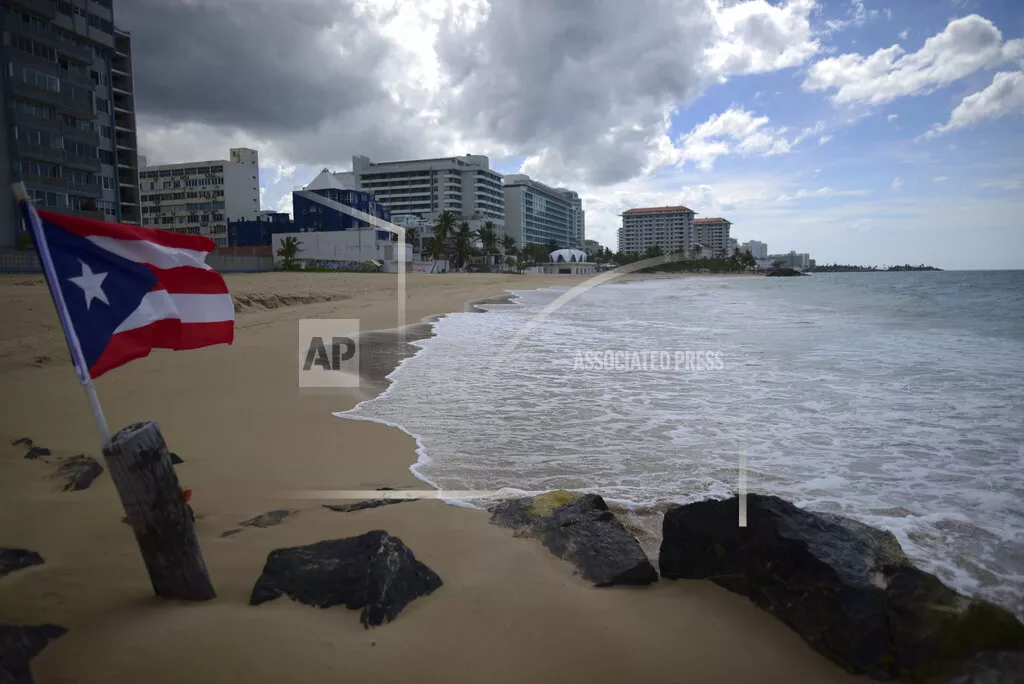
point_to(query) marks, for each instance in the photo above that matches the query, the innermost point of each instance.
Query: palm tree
(508, 243)
(289, 250)
(443, 232)
(410, 239)
(488, 235)
(462, 245)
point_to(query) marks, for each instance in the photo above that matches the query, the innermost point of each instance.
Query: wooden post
(140, 466)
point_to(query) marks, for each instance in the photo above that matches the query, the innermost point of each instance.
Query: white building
(734, 246)
(759, 250)
(713, 232)
(567, 262)
(465, 186)
(538, 214)
(793, 260)
(703, 250)
(347, 249)
(670, 228)
(198, 198)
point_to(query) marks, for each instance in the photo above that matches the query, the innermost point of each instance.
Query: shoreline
(508, 610)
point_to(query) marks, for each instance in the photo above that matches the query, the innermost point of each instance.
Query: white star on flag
(91, 284)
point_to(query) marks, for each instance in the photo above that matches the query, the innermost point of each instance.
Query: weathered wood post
(140, 466)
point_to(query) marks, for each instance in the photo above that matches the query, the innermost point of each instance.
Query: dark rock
(579, 528)
(175, 459)
(18, 559)
(79, 472)
(363, 505)
(35, 452)
(19, 645)
(374, 571)
(23, 440)
(228, 533)
(268, 519)
(847, 588)
(785, 272)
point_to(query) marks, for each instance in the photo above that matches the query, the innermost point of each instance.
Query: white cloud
(904, 33)
(963, 47)
(806, 133)
(284, 205)
(888, 13)
(897, 183)
(827, 191)
(892, 117)
(1005, 95)
(734, 131)
(756, 37)
(1012, 183)
(856, 15)
(824, 139)
(941, 179)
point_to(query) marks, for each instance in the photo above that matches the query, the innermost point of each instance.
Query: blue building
(313, 214)
(258, 232)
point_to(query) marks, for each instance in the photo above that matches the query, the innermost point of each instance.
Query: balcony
(81, 107)
(21, 117)
(85, 188)
(83, 213)
(86, 163)
(35, 93)
(42, 152)
(85, 136)
(45, 182)
(79, 53)
(42, 8)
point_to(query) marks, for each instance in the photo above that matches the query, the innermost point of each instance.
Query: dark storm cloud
(263, 66)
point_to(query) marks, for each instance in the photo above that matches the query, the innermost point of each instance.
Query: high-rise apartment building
(465, 186)
(759, 250)
(538, 214)
(713, 232)
(68, 120)
(668, 228)
(198, 198)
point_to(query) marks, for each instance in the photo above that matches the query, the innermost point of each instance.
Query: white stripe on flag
(151, 253)
(189, 308)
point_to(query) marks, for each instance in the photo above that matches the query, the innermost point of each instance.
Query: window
(80, 177)
(45, 198)
(38, 79)
(32, 47)
(106, 132)
(102, 105)
(106, 157)
(32, 109)
(34, 168)
(36, 137)
(64, 7)
(80, 149)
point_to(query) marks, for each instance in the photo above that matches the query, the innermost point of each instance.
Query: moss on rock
(545, 504)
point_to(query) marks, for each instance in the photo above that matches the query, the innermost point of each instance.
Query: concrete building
(713, 232)
(198, 198)
(792, 260)
(347, 250)
(538, 214)
(759, 250)
(68, 120)
(592, 247)
(734, 246)
(318, 208)
(567, 262)
(258, 232)
(670, 228)
(702, 250)
(465, 186)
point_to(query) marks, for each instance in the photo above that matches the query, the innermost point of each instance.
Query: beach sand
(508, 610)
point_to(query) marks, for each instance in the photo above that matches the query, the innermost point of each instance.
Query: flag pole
(74, 346)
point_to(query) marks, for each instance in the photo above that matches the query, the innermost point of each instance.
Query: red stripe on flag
(189, 280)
(88, 227)
(164, 334)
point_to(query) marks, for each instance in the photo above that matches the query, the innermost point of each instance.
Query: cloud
(816, 129)
(941, 179)
(734, 131)
(856, 15)
(892, 117)
(965, 46)
(756, 37)
(824, 139)
(826, 191)
(897, 183)
(904, 33)
(1012, 183)
(1004, 96)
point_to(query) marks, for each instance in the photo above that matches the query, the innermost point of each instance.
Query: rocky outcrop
(19, 645)
(374, 571)
(580, 529)
(12, 560)
(78, 472)
(268, 519)
(175, 458)
(847, 588)
(363, 505)
(36, 452)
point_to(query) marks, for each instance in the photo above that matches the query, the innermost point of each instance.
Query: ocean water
(893, 398)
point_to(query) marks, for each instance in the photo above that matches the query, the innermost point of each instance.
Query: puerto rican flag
(127, 290)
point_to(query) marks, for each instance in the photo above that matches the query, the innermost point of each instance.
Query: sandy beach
(508, 611)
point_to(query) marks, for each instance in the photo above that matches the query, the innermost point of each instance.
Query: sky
(871, 132)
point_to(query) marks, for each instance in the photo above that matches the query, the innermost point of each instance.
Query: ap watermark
(621, 360)
(328, 353)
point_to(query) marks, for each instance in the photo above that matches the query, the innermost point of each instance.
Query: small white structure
(346, 249)
(568, 262)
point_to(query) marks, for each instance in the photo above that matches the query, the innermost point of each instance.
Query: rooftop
(652, 210)
(712, 220)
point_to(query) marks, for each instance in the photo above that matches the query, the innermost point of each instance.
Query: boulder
(374, 571)
(19, 645)
(175, 458)
(12, 560)
(36, 452)
(579, 528)
(847, 588)
(268, 519)
(79, 472)
(363, 505)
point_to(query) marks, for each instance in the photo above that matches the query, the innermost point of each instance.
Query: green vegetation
(289, 251)
(848, 268)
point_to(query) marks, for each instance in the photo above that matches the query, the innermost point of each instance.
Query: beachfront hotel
(538, 214)
(758, 250)
(198, 198)
(669, 228)
(465, 186)
(713, 232)
(69, 120)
